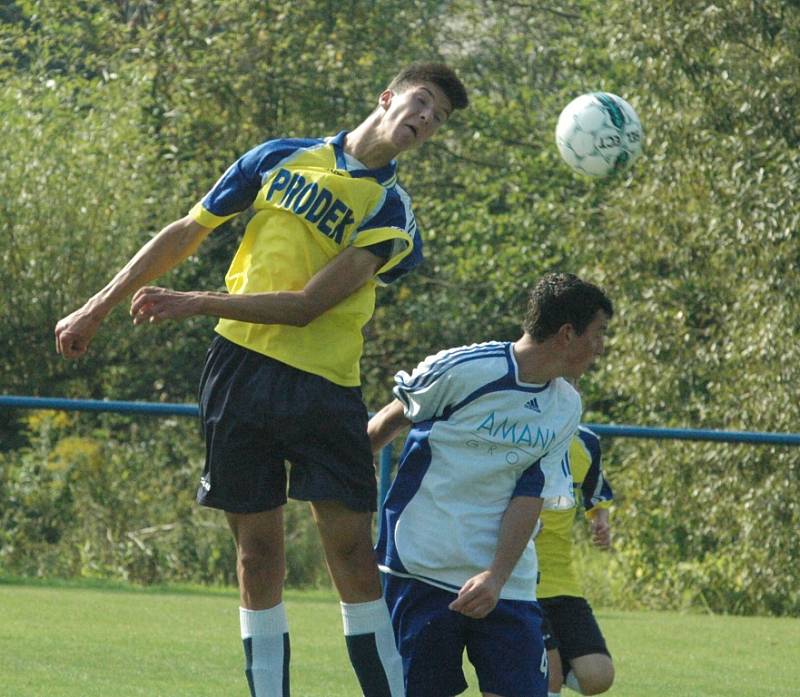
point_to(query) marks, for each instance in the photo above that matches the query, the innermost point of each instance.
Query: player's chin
(407, 147)
(405, 139)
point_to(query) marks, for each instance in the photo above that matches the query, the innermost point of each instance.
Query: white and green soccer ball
(599, 134)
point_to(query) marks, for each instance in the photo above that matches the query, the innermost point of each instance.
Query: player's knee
(599, 680)
(353, 552)
(349, 545)
(354, 571)
(260, 561)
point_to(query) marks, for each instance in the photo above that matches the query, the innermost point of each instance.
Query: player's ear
(566, 333)
(385, 99)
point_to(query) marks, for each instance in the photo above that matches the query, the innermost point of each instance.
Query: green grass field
(77, 640)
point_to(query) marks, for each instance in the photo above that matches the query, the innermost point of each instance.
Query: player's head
(418, 100)
(574, 313)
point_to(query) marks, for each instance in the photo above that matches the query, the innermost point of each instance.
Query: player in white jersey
(490, 427)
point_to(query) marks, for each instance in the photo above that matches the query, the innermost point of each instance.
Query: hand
(75, 332)
(478, 596)
(153, 304)
(601, 532)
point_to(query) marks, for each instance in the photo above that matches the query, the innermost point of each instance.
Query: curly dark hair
(563, 298)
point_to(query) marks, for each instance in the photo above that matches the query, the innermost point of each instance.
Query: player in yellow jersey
(576, 650)
(281, 379)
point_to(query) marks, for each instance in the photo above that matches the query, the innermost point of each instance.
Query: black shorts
(257, 413)
(569, 626)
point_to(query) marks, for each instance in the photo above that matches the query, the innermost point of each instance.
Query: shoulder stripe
(295, 148)
(379, 217)
(448, 361)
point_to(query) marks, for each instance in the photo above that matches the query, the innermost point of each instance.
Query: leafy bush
(693, 530)
(119, 116)
(115, 499)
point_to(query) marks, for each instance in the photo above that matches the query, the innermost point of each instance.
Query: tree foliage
(119, 116)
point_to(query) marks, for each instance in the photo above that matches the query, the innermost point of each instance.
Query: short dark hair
(439, 74)
(563, 298)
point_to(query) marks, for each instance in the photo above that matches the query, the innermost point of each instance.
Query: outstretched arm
(479, 595)
(341, 277)
(177, 241)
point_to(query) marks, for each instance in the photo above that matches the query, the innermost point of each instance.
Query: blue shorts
(257, 413)
(505, 647)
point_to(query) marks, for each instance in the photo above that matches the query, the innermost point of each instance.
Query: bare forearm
(294, 308)
(386, 425)
(478, 596)
(172, 245)
(339, 279)
(516, 529)
(176, 242)
(282, 307)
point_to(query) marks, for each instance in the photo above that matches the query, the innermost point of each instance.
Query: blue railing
(757, 437)
(153, 408)
(385, 461)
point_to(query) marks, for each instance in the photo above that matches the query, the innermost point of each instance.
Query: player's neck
(366, 144)
(538, 363)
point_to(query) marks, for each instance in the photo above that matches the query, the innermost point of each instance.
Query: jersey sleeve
(238, 187)
(556, 471)
(381, 249)
(429, 389)
(531, 482)
(440, 384)
(555, 462)
(392, 221)
(595, 489)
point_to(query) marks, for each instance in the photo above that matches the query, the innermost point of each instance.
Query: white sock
(372, 648)
(265, 636)
(553, 694)
(572, 682)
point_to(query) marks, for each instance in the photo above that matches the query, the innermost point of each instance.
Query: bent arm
(384, 427)
(516, 530)
(341, 277)
(177, 241)
(479, 595)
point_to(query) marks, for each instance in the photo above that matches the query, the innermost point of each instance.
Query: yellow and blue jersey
(311, 201)
(554, 543)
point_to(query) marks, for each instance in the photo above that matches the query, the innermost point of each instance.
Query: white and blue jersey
(480, 436)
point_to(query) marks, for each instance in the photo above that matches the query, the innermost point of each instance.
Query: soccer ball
(599, 133)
